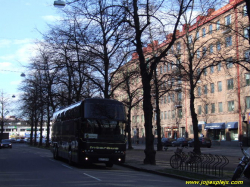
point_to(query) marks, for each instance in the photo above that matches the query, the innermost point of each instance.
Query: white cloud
(5, 43)
(23, 41)
(51, 18)
(5, 64)
(26, 52)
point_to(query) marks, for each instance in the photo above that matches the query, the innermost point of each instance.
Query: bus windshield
(111, 111)
(104, 129)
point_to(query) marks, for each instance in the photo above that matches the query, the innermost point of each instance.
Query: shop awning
(215, 126)
(232, 125)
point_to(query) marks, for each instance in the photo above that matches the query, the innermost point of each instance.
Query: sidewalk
(135, 157)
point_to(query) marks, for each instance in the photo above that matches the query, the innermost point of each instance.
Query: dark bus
(90, 131)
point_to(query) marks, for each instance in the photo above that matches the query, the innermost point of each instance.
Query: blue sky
(18, 23)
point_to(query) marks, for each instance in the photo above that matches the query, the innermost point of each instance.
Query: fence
(200, 163)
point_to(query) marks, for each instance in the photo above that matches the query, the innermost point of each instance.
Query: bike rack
(203, 163)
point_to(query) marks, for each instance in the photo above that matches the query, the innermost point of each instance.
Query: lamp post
(59, 4)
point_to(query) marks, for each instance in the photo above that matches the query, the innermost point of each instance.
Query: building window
(211, 48)
(179, 96)
(197, 35)
(213, 108)
(230, 105)
(142, 118)
(173, 97)
(173, 114)
(219, 86)
(210, 29)
(219, 66)
(205, 89)
(165, 69)
(178, 47)
(218, 25)
(212, 87)
(229, 62)
(198, 71)
(248, 102)
(165, 99)
(246, 32)
(180, 113)
(212, 69)
(245, 10)
(247, 79)
(230, 84)
(203, 32)
(228, 41)
(247, 56)
(206, 109)
(228, 20)
(218, 46)
(204, 51)
(137, 119)
(165, 115)
(205, 72)
(198, 53)
(199, 91)
(199, 109)
(220, 106)
(190, 40)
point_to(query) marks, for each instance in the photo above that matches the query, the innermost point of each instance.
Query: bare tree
(140, 15)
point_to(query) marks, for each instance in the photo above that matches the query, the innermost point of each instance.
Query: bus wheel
(70, 157)
(55, 152)
(109, 164)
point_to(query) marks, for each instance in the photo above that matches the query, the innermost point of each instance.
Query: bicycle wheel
(175, 161)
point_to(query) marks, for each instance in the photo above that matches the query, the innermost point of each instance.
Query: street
(29, 166)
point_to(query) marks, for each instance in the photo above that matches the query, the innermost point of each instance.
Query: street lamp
(59, 4)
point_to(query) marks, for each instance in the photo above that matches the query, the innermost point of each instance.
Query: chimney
(210, 11)
(199, 18)
(185, 27)
(134, 56)
(169, 36)
(178, 33)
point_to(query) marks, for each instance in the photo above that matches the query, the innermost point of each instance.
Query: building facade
(218, 42)
(18, 128)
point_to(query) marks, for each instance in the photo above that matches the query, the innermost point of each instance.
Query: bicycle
(178, 158)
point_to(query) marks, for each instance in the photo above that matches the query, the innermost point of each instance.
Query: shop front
(232, 131)
(215, 131)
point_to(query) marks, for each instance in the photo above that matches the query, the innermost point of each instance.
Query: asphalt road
(29, 166)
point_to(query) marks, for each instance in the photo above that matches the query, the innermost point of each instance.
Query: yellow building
(222, 93)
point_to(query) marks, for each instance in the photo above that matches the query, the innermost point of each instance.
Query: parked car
(181, 142)
(204, 142)
(20, 140)
(13, 140)
(167, 141)
(5, 143)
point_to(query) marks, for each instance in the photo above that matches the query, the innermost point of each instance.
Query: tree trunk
(129, 128)
(194, 121)
(148, 114)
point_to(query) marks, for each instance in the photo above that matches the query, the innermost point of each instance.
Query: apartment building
(216, 42)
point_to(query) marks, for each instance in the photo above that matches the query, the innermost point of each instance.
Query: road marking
(67, 166)
(92, 177)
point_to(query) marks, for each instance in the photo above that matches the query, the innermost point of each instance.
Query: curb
(164, 174)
